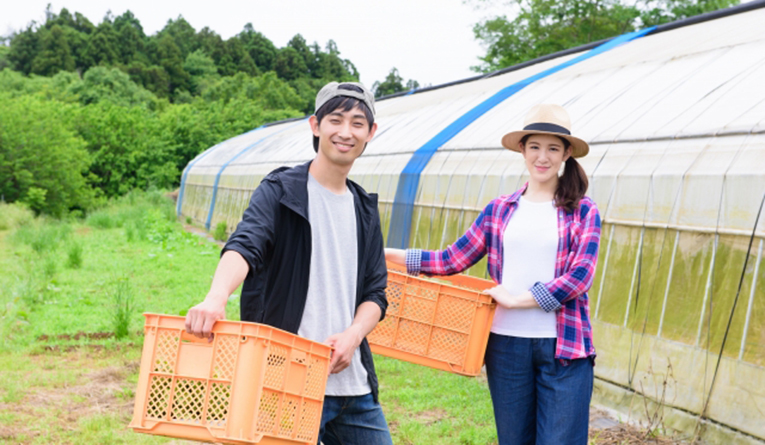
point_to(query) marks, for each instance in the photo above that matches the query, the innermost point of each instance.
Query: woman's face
(544, 155)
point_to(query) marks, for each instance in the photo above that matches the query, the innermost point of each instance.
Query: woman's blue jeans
(537, 399)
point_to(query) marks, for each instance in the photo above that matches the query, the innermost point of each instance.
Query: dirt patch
(58, 404)
(605, 430)
(431, 416)
(200, 232)
(629, 435)
(83, 230)
(79, 335)
(55, 406)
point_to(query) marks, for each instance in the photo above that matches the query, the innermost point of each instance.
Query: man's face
(342, 135)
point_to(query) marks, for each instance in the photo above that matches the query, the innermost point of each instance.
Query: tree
(262, 51)
(300, 46)
(102, 46)
(54, 54)
(4, 50)
(290, 64)
(392, 84)
(23, 49)
(546, 26)
(42, 162)
(182, 34)
(202, 70)
(130, 36)
(170, 58)
(102, 84)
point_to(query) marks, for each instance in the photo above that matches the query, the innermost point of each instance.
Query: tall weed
(42, 236)
(74, 256)
(50, 266)
(101, 219)
(122, 299)
(132, 209)
(14, 215)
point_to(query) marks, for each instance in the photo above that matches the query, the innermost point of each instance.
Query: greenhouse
(675, 117)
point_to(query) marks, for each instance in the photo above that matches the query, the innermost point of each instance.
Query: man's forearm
(231, 272)
(367, 316)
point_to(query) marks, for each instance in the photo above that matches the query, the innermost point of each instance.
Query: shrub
(74, 256)
(220, 231)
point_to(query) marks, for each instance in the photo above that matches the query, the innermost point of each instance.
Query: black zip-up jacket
(274, 237)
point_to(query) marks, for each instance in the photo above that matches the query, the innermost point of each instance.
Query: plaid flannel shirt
(578, 241)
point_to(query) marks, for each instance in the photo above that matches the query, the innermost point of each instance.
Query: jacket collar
(295, 185)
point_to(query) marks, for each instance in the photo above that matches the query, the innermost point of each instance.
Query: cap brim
(512, 140)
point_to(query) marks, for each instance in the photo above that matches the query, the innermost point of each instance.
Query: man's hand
(345, 344)
(201, 318)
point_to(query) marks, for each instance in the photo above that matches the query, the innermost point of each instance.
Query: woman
(542, 242)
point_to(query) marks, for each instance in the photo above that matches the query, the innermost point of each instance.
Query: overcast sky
(430, 41)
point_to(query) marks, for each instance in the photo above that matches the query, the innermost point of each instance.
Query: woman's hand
(501, 296)
(505, 299)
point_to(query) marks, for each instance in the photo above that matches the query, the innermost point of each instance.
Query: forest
(89, 112)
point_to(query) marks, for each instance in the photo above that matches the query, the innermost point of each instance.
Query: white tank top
(530, 244)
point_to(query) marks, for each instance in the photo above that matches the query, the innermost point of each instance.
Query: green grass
(67, 378)
(424, 405)
(94, 278)
(167, 270)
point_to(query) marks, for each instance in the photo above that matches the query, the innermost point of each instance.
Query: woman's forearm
(395, 256)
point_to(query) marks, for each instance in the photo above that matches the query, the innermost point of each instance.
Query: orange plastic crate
(444, 326)
(252, 384)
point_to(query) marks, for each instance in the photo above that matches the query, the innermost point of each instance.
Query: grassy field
(72, 297)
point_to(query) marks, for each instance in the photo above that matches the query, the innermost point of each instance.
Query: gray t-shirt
(331, 302)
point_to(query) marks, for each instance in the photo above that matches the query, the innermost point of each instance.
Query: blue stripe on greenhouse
(191, 164)
(408, 181)
(223, 167)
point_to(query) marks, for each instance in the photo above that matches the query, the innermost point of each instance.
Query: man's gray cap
(332, 90)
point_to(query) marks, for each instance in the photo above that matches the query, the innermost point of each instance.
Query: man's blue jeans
(353, 420)
(537, 399)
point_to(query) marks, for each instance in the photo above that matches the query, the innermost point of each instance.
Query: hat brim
(512, 141)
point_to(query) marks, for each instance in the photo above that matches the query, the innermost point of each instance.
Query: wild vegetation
(534, 28)
(89, 112)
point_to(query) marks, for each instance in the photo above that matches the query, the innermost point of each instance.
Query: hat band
(550, 128)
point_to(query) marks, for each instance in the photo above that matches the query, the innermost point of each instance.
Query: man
(309, 250)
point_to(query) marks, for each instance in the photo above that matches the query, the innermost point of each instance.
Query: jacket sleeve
(254, 236)
(580, 274)
(376, 277)
(456, 258)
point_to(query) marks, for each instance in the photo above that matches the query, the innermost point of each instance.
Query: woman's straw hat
(547, 119)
